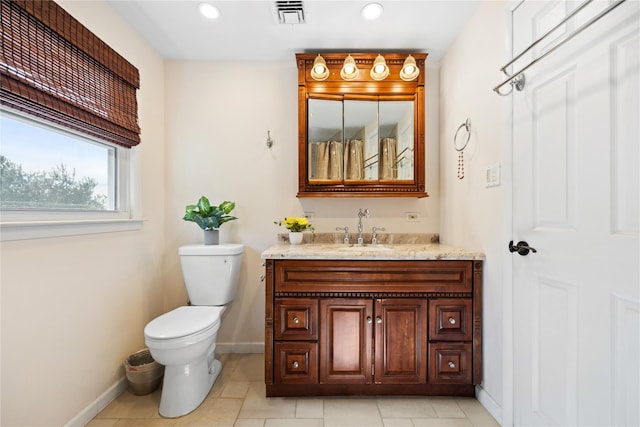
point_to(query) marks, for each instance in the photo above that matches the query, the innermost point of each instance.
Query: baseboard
(90, 412)
(489, 404)
(240, 347)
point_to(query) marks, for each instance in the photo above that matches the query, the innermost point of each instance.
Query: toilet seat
(183, 322)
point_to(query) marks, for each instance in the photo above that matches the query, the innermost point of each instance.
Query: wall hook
(269, 140)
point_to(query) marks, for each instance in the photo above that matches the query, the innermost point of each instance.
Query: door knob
(522, 248)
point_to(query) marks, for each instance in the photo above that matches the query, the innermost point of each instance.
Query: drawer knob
(452, 365)
(369, 320)
(296, 320)
(295, 364)
(378, 319)
(452, 320)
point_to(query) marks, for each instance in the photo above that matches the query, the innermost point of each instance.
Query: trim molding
(489, 404)
(43, 229)
(94, 408)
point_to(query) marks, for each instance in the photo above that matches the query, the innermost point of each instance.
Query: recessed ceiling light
(372, 11)
(208, 10)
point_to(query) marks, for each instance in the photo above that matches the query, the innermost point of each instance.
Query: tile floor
(237, 399)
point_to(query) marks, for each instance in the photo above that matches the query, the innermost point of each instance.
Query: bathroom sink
(366, 248)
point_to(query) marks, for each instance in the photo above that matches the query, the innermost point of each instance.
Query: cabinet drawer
(296, 319)
(450, 319)
(450, 363)
(372, 276)
(296, 362)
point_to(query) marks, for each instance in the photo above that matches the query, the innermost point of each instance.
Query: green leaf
(227, 206)
(204, 206)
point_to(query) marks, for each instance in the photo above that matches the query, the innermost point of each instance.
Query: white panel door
(576, 190)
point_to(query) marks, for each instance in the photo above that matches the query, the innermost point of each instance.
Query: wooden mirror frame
(334, 87)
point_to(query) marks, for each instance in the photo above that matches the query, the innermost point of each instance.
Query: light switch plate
(492, 178)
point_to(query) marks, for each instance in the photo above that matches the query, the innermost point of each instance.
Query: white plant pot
(211, 237)
(295, 237)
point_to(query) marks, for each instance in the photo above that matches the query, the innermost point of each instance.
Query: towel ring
(467, 126)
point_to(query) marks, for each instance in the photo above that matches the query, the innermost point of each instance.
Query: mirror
(360, 137)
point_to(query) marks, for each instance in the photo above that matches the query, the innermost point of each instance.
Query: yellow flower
(293, 223)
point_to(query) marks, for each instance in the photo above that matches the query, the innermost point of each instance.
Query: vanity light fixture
(208, 10)
(319, 71)
(372, 11)
(379, 70)
(410, 69)
(349, 69)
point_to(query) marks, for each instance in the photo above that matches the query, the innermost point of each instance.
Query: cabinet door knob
(369, 320)
(296, 364)
(296, 320)
(378, 319)
(452, 365)
(452, 320)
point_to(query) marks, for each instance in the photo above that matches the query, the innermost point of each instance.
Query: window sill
(26, 230)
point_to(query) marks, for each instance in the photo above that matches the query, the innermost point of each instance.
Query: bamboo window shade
(55, 69)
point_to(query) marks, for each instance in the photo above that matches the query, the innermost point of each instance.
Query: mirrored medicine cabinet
(364, 135)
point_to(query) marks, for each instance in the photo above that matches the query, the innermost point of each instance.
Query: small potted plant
(296, 226)
(210, 218)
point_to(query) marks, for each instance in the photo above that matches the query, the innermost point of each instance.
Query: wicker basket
(143, 373)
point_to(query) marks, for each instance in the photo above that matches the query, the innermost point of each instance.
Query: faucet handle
(374, 231)
(346, 234)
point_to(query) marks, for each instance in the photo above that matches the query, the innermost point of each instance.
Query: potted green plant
(209, 217)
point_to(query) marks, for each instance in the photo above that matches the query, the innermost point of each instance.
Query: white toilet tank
(211, 272)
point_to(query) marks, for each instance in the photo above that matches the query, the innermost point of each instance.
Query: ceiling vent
(288, 12)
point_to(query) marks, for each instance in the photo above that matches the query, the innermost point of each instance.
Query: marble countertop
(389, 247)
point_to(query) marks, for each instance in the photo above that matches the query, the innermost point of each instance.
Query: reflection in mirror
(361, 140)
(378, 140)
(396, 140)
(325, 140)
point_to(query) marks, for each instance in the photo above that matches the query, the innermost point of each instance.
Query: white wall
(73, 308)
(471, 215)
(218, 115)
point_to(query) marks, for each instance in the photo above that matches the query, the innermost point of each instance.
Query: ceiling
(249, 31)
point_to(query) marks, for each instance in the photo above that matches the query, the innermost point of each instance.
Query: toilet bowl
(184, 339)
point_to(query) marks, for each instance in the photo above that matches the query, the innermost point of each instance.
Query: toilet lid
(183, 321)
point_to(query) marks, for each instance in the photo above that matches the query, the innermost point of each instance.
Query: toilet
(184, 339)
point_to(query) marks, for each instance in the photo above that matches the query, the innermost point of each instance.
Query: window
(69, 116)
(48, 168)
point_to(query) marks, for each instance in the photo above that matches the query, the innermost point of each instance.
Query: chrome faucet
(361, 214)
(346, 234)
(374, 234)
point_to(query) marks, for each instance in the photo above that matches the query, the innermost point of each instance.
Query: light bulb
(208, 10)
(372, 11)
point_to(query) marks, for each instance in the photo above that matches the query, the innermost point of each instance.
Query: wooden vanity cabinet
(336, 327)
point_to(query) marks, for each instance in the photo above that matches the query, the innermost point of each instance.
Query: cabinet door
(450, 363)
(400, 341)
(450, 319)
(296, 319)
(296, 362)
(345, 341)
